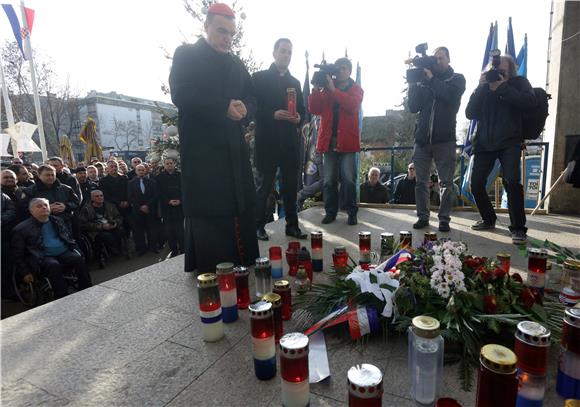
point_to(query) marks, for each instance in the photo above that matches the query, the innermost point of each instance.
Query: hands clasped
(236, 110)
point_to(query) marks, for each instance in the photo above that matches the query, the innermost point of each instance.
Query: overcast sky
(117, 45)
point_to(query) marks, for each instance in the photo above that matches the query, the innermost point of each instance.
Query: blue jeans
(339, 166)
(510, 160)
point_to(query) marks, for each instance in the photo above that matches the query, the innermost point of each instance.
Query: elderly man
(135, 161)
(405, 191)
(373, 191)
(213, 93)
(103, 223)
(43, 244)
(143, 198)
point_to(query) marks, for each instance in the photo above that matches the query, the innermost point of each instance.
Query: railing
(459, 147)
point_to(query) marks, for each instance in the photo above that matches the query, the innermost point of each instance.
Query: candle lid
(365, 381)
(543, 253)
(430, 236)
(364, 234)
(241, 270)
(426, 327)
(572, 316)
(282, 284)
(572, 264)
(260, 309)
(316, 233)
(386, 235)
(533, 333)
(273, 298)
(339, 250)
(498, 358)
(404, 233)
(207, 279)
(503, 255)
(224, 268)
(294, 344)
(262, 262)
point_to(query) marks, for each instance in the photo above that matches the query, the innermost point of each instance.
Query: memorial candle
(387, 243)
(242, 286)
(291, 98)
(317, 253)
(292, 257)
(364, 247)
(210, 308)
(294, 370)
(263, 273)
(275, 253)
(505, 260)
(497, 385)
(405, 239)
(537, 262)
(340, 259)
(228, 295)
(568, 382)
(365, 386)
(531, 349)
(282, 288)
(263, 342)
(429, 237)
(276, 301)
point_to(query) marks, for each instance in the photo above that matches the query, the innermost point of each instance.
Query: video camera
(319, 77)
(494, 74)
(420, 62)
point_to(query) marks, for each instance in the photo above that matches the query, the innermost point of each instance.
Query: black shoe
(295, 231)
(352, 220)
(483, 225)
(420, 224)
(261, 234)
(444, 227)
(328, 219)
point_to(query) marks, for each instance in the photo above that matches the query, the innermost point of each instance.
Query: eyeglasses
(412, 168)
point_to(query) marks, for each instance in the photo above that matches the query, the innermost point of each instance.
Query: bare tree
(125, 134)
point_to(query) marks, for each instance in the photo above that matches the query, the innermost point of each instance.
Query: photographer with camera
(497, 105)
(435, 95)
(338, 102)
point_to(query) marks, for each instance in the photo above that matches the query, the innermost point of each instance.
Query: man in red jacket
(338, 104)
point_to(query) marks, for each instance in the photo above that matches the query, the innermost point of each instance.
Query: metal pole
(8, 108)
(545, 169)
(392, 186)
(28, 51)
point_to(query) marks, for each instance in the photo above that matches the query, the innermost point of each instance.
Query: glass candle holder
(292, 257)
(387, 243)
(282, 288)
(364, 247)
(294, 370)
(317, 253)
(568, 381)
(210, 308)
(571, 274)
(228, 295)
(263, 273)
(301, 283)
(537, 262)
(275, 253)
(263, 342)
(340, 260)
(497, 384)
(405, 239)
(304, 260)
(291, 99)
(276, 301)
(505, 261)
(242, 286)
(365, 386)
(429, 237)
(531, 347)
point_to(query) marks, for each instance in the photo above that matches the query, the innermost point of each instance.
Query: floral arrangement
(475, 300)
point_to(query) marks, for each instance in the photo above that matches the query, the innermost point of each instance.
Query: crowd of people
(50, 211)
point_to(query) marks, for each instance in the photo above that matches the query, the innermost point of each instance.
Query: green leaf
(539, 312)
(373, 279)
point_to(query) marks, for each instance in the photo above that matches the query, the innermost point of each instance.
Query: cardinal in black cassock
(213, 93)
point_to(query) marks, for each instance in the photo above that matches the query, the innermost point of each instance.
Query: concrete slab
(136, 340)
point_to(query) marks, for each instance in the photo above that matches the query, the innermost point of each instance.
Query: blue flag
(522, 59)
(510, 47)
(11, 14)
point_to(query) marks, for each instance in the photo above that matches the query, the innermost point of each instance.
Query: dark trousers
(111, 239)
(53, 268)
(145, 231)
(173, 227)
(509, 159)
(288, 188)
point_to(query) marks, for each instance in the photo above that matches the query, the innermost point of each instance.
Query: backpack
(534, 119)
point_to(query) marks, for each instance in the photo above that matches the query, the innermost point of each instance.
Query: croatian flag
(20, 32)
(400, 257)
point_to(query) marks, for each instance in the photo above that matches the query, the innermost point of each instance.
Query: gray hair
(34, 201)
(373, 169)
(95, 190)
(512, 69)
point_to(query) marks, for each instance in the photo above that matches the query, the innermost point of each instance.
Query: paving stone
(24, 394)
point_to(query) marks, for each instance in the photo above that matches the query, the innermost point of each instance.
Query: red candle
(317, 253)
(365, 386)
(316, 240)
(263, 346)
(340, 259)
(282, 288)
(227, 285)
(497, 385)
(405, 239)
(292, 257)
(294, 370)
(291, 94)
(276, 301)
(429, 237)
(505, 260)
(210, 307)
(275, 253)
(537, 262)
(364, 246)
(531, 347)
(242, 286)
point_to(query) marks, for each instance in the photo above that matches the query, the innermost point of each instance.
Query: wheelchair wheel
(33, 294)
(86, 247)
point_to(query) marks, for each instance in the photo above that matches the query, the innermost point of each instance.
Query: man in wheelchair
(43, 245)
(103, 224)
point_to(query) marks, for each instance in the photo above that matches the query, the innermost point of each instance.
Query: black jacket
(405, 191)
(56, 192)
(169, 188)
(499, 114)
(275, 138)
(71, 181)
(137, 198)
(27, 245)
(437, 102)
(373, 194)
(86, 189)
(215, 165)
(114, 188)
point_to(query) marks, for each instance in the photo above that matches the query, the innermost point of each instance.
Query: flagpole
(8, 107)
(27, 45)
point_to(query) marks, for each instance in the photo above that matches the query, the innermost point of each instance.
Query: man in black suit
(277, 137)
(169, 187)
(143, 199)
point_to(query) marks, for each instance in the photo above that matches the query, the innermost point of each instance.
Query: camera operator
(436, 100)
(497, 106)
(338, 104)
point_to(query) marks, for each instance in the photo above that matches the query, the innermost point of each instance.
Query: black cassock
(217, 184)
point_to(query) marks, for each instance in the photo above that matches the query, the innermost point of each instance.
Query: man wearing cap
(278, 137)
(213, 93)
(338, 104)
